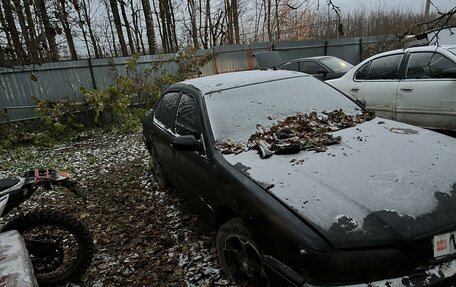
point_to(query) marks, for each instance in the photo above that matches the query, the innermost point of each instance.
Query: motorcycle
(60, 247)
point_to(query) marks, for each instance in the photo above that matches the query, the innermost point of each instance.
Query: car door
(377, 82)
(192, 172)
(427, 97)
(162, 132)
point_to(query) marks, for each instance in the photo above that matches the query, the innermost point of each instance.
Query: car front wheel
(238, 254)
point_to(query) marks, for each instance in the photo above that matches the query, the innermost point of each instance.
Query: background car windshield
(336, 64)
(452, 50)
(235, 113)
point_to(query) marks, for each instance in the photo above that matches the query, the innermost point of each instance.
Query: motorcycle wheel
(60, 247)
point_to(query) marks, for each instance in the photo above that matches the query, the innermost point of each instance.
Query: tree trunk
(5, 28)
(149, 26)
(118, 24)
(229, 19)
(32, 32)
(269, 24)
(111, 29)
(277, 19)
(235, 13)
(172, 27)
(63, 17)
(24, 30)
(137, 32)
(205, 35)
(158, 15)
(194, 31)
(127, 26)
(49, 30)
(93, 39)
(168, 26)
(11, 26)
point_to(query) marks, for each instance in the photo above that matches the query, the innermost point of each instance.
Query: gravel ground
(144, 236)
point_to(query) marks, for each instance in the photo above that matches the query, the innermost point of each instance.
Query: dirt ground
(144, 236)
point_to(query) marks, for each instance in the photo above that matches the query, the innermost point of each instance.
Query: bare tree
(168, 26)
(4, 28)
(127, 26)
(150, 32)
(118, 24)
(194, 29)
(33, 52)
(88, 22)
(48, 29)
(63, 17)
(136, 25)
(14, 33)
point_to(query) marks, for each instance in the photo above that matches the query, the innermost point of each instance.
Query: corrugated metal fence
(53, 81)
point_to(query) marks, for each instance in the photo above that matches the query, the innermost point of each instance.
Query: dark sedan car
(322, 67)
(304, 187)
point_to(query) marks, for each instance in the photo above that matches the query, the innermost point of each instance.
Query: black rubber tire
(46, 217)
(232, 229)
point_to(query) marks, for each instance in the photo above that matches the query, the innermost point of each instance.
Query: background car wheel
(238, 254)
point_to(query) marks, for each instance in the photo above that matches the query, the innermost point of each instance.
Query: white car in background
(414, 85)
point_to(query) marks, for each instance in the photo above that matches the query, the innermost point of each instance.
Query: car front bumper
(442, 274)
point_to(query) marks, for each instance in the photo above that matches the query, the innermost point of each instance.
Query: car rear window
(235, 113)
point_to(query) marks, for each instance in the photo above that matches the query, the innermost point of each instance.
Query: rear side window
(384, 68)
(428, 65)
(292, 66)
(311, 67)
(187, 122)
(166, 109)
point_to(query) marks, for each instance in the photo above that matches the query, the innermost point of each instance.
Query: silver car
(415, 85)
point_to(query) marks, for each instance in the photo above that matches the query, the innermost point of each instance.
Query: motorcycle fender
(3, 202)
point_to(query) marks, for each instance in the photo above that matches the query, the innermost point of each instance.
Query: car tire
(158, 171)
(238, 254)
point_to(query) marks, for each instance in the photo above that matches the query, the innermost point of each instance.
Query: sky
(406, 5)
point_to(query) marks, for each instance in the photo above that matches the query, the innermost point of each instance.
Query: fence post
(250, 58)
(215, 61)
(326, 49)
(92, 75)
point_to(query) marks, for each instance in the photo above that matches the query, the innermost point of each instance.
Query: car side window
(310, 67)
(428, 65)
(292, 66)
(187, 122)
(361, 74)
(165, 110)
(384, 68)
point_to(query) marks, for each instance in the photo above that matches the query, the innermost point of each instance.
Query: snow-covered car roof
(232, 80)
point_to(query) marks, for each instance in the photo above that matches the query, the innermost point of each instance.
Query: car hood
(386, 182)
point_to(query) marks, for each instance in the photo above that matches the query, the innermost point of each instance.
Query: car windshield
(336, 64)
(235, 113)
(452, 50)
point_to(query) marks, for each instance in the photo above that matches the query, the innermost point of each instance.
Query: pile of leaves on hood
(303, 131)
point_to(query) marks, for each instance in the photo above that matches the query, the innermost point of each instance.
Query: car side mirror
(186, 143)
(449, 73)
(361, 102)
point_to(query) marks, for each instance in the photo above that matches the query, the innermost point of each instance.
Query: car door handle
(407, 90)
(354, 90)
